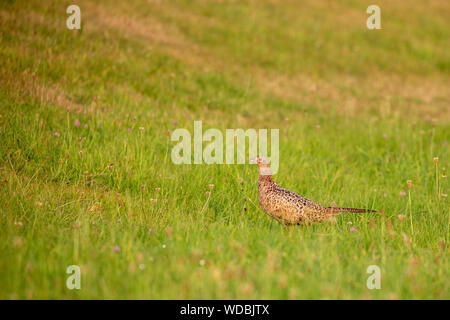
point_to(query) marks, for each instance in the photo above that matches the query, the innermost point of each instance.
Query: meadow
(86, 176)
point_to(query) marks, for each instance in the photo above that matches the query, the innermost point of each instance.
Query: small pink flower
(86, 125)
(353, 229)
(402, 193)
(116, 248)
(56, 134)
(118, 220)
(77, 123)
(129, 129)
(150, 231)
(175, 122)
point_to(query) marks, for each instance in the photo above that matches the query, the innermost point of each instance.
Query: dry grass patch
(27, 84)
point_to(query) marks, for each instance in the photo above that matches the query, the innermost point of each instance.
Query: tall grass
(87, 178)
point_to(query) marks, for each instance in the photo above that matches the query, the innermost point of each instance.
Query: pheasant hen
(289, 207)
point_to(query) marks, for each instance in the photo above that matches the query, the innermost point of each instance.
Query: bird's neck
(265, 175)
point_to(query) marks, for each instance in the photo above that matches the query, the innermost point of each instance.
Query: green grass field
(360, 112)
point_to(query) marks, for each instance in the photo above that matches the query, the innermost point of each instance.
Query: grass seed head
(406, 239)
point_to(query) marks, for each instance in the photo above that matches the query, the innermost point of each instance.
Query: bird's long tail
(354, 210)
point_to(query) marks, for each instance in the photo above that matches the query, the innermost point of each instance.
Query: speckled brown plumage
(289, 207)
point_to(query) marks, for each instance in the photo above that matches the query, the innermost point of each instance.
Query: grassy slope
(360, 112)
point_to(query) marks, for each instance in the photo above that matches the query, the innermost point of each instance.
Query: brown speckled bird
(289, 207)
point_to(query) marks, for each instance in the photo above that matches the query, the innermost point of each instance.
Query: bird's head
(261, 161)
